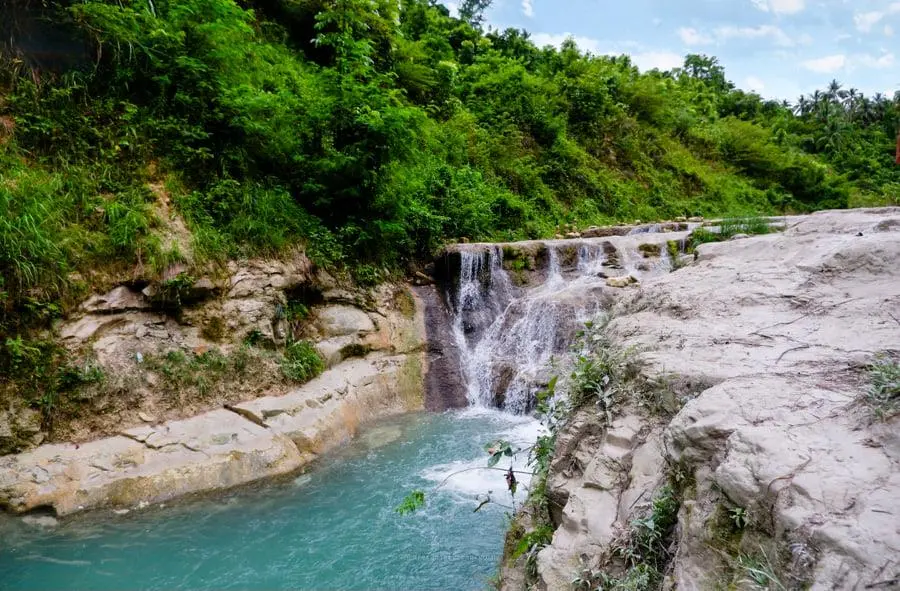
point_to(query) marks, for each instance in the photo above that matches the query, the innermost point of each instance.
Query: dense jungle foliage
(367, 132)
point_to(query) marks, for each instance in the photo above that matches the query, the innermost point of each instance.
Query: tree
(472, 11)
(708, 69)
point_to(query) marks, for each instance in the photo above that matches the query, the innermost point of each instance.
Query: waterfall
(515, 308)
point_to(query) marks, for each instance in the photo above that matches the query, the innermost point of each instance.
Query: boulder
(620, 282)
(342, 320)
(120, 299)
(329, 409)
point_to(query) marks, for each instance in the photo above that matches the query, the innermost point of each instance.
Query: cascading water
(510, 332)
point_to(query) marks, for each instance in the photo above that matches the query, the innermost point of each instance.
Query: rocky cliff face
(193, 395)
(785, 477)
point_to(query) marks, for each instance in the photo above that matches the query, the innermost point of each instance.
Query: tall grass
(729, 228)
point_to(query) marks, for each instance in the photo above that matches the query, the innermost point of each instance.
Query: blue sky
(778, 48)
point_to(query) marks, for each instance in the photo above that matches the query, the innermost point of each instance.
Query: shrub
(301, 362)
(883, 395)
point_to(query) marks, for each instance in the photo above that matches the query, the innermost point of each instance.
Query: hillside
(149, 140)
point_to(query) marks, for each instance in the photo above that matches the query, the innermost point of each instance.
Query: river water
(334, 528)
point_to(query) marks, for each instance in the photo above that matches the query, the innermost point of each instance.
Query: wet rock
(684, 260)
(612, 255)
(604, 232)
(502, 376)
(621, 281)
(44, 521)
(444, 384)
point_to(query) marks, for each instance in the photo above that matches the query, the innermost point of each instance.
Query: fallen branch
(790, 350)
(449, 476)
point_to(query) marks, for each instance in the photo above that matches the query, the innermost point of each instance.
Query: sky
(777, 48)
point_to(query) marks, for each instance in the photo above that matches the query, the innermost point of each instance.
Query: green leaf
(412, 503)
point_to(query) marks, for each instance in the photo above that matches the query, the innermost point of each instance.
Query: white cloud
(772, 32)
(780, 6)
(691, 36)
(826, 65)
(663, 60)
(453, 7)
(833, 63)
(528, 8)
(588, 44)
(888, 31)
(866, 20)
(881, 62)
(754, 84)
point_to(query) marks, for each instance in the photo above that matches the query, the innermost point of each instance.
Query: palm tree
(816, 99)
(850, 102)
(802, 107)
(867, 111)
(834, 92)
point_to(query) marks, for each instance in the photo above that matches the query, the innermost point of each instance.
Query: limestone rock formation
(765, 340)
(216, 450)
(161, 444)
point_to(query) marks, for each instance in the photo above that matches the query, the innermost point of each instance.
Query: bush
(301, 362)
(884, 389)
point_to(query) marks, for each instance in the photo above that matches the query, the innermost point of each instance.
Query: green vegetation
(645, 549)
(196, 376)
(46, 376)
(368, 132)
(883, 395)
(301, 362)
(758, 571)
(411, 503)
(727, 229)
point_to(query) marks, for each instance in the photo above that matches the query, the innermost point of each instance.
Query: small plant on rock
(883, 395)
(739, 517)
(301, 362)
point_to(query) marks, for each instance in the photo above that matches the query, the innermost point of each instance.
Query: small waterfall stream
(515, 308)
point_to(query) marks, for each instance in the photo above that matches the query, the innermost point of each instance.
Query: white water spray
(510, 336)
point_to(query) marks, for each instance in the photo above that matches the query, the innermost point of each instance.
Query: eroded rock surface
(216, 450)
(213, 451)
(765, 340)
